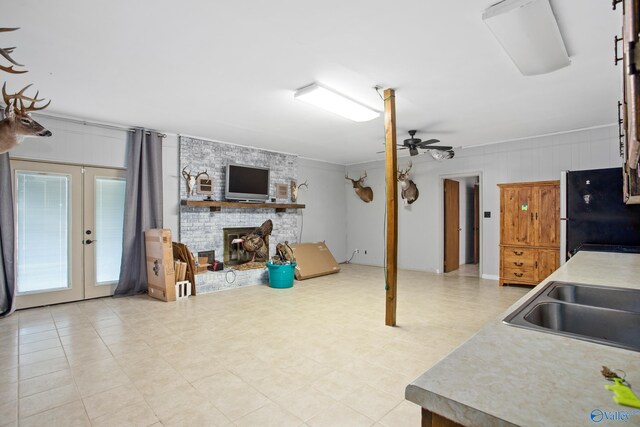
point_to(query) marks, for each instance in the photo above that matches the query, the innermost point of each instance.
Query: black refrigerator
(596, 216)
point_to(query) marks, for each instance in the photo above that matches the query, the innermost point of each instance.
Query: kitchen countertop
(506, 375)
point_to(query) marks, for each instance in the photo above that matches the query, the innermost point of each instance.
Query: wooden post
(391, 277)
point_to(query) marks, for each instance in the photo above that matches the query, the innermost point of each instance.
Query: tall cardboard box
(161, 276)
(313, 260)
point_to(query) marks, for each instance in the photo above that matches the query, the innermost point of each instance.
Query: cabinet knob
(518, 253)
(518, 264)
(518, 274)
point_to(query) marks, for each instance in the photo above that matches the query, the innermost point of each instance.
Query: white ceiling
(226, 70)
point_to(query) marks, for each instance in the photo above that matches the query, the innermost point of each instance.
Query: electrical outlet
(365, 251)
(357, 251)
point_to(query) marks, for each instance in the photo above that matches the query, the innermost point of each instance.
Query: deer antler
(202, 173)
(362, 178)
(304, 184)
(405, 171)
(32, 107)
(5, 53)
(19, 98)
(186, 175)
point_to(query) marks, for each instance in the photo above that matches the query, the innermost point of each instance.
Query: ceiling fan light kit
(529, 33)
(332, 101)
(442, 155)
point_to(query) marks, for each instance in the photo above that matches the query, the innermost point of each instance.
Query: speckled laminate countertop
(505, 376)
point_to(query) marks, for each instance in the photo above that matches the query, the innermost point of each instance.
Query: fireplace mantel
(216, 206)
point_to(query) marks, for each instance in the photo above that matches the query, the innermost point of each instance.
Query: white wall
(325, 215)
(90, 145)
(420, 225)
(171, 180)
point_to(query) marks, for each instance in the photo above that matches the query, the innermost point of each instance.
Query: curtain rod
(96, 124)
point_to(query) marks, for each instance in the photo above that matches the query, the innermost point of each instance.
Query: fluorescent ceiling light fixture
(529, 33)
(336, 103)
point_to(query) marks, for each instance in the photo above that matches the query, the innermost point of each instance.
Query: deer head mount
(365, 193)
(5, 52)
(17, 123)
(192, 180)
(294, 190)
(409, 191)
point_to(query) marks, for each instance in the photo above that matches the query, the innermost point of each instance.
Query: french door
(69, 231)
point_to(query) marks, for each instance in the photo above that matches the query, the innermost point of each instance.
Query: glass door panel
(43, 231)
(48, 210)
(104, 220)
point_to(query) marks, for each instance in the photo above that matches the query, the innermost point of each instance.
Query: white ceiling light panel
(529, 33)
(336, 103)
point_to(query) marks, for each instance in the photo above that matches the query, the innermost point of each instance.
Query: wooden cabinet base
(430, 419)
(527, 265)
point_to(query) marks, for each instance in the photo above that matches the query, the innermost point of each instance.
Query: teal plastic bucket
(281, 276)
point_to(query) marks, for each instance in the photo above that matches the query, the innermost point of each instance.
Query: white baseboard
(490, 277)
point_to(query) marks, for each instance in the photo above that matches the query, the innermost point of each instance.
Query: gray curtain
(143, 208)
(7, 240)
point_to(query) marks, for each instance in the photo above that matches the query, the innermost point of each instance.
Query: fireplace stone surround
(201, 229)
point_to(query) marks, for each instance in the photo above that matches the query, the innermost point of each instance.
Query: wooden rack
(216, 206)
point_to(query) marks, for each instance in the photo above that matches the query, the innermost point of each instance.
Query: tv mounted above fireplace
(250, 183)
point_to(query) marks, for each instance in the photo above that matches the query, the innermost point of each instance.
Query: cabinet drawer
(511, 255)
(521, 262)
(516, 273)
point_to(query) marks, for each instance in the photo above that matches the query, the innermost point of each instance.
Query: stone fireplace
(202, 229)
(234, 253)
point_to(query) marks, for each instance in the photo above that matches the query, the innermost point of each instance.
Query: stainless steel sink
(604, 315)
(597, 296)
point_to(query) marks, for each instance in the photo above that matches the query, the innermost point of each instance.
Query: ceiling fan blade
(428, 142)
(384, 151)
(437, 147)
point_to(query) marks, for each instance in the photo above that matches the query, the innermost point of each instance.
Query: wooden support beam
(391, 277)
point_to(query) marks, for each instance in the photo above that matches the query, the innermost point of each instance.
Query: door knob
(88, 241)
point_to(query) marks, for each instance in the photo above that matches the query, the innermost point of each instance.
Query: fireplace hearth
(234, 253)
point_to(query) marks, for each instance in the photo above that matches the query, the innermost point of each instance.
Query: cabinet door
(547, 214)
(548, 262)
(517, 216)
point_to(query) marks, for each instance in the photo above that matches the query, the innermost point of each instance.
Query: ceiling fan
(438, 152)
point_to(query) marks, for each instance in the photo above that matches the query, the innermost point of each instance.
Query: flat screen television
(249, 183)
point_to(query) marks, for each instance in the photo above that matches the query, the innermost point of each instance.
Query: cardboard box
(161, 279)
(313, 260)
(202, 265)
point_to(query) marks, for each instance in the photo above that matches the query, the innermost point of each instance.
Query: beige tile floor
(317, 354)
(466, 270)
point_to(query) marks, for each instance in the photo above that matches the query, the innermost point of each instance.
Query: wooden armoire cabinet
(529, 231)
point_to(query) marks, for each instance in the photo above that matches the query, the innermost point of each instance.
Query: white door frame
(441, 179)
(80, 288)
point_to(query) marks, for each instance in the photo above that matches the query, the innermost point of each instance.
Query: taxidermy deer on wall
(365, 193)
(294, 190)
(410, 191)
(17, 123)
(191, 180)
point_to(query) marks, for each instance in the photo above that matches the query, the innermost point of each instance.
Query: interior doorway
(461, 225)
(69, 222)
